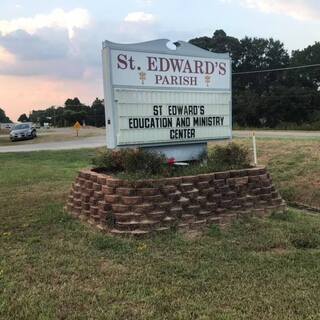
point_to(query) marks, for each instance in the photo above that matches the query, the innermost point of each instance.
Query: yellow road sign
(77, 125)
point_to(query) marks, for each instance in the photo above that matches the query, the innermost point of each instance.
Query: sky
(51, 50)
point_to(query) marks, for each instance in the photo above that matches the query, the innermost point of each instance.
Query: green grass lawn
(54, 267)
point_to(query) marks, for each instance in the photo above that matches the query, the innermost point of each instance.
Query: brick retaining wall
(182, 203)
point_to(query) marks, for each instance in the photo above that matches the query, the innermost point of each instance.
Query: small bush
(130, 161)
(231, 156)
(141, 160)
(105, 159)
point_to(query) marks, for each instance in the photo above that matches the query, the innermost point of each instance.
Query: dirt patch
(192, 235)
(279, 251)
(107, 265)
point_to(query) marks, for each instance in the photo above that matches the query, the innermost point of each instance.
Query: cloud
(46, 49)
(146, 2)
(56, 69)
(304, 10)
(137, 26)
(46, 44)
(58, 44)
(140, 17)
(6, 58)
(75, 19)
(48, 52)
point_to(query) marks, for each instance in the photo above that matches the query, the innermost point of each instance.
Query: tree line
(3, 117)
(74, 110)
(282, 98)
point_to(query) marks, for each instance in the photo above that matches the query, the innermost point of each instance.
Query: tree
(3, 117)
(260, 54)
(220, 43)
(73, 104)
(23, 118)
(71, 117)
(269, 98)
(97, 113)
(308, 77)
(79, 111)
(245, 106)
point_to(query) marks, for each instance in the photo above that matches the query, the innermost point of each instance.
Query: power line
(278, 69)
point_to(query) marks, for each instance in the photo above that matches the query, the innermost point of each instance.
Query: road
(100, 140)
(277, 134)
(90, 142)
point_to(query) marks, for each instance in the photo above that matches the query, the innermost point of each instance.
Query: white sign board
(140, 69)
(155, 96)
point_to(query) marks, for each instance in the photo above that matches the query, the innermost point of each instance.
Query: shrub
(141, 160)
(130, 161)
(231, 156)
(106, 159)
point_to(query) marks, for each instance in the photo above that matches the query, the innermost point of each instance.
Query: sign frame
(183, 49)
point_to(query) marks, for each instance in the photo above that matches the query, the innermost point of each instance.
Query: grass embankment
(294, 165)
(53, 267)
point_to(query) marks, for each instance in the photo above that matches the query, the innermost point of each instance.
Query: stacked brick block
(182, 203)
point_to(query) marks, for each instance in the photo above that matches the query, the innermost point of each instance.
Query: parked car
(23, 131)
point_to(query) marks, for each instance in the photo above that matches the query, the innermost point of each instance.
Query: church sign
(156, 96)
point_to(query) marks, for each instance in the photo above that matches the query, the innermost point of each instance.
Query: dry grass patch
(294, 166)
